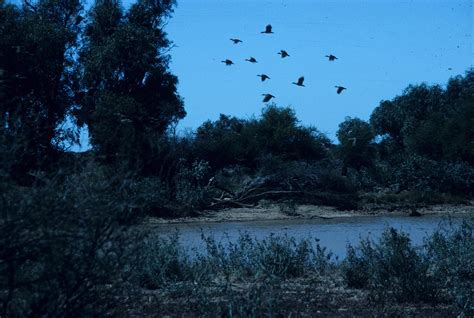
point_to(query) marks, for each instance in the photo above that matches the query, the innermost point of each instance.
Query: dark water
(333, 234)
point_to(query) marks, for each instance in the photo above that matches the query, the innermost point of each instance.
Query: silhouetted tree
(428, 121)
(230, 140)
(130, 98)
(223, 142)
(37, 79)
(279, 133)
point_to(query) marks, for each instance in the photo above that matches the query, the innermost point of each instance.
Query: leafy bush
(192, 184)
(420, 173)
(64, 250)
(231, 141)
(166, 261)
(163, 261)
(390, 268)
(451, 255)
(441, 271)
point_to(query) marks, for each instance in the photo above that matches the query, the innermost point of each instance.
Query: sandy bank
(285, 212)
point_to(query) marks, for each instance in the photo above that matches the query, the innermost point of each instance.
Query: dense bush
(64, 250)
(247, 258)
(277, 133)
(450, 252)
(163, 261)
(429, 121)
(421, 173)
(390, 268)
(192, 185)
(441, 271)
(356, 147)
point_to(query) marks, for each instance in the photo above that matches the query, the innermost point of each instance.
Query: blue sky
(382, 46)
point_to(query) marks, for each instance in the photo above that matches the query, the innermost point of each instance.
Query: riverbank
(271, 211)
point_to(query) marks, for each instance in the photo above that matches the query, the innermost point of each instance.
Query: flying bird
(227, 62)
(331, 57)
(268, 29)
(264, 77)
(267, 97)
(340, 89)
(300, 81)
(236, 41)
(251, 60)
(283, 53)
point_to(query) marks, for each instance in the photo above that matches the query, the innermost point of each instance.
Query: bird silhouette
(268, 29)
(251, 60)
(264, 77)
(227, 62)
(283, 53)
(267, 97)
(340, 89)
(331, 57)
(236, 41)
(300, 81)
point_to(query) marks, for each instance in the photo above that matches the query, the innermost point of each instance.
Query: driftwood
(249, 197)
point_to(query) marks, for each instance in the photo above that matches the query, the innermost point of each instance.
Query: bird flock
(283, 54)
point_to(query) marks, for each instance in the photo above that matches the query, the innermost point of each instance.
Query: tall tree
(129, 96)
(37, 43)
(429, 121)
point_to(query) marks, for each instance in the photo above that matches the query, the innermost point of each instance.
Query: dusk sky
(382, 46)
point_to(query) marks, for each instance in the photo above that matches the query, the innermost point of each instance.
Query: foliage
(356, 147)
(129, 99)
(421, 173)
(278, 256)
(37, 80)
(429, 121)
(230, 141)
(390, 268)
(450, 251)
(439, 272)
(192, 185)
(163, 261)
(64, 250)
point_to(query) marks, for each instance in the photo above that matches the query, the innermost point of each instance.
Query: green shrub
(420, 173)
(163, 261)
(192, 184)
(356, 266)
(451, 255)
(64, 251)
(390, 268)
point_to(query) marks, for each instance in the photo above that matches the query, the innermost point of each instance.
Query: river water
(334, 234)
